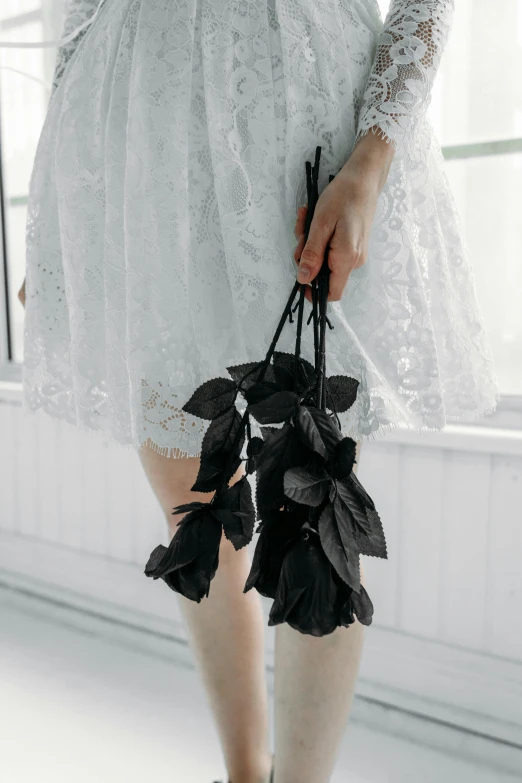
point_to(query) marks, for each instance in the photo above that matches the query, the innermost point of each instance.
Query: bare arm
(396, 97)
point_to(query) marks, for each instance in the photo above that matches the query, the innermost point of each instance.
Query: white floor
(78, 706)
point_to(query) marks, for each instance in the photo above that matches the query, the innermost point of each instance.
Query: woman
(161, 248)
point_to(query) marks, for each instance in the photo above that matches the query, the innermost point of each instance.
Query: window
(23, 103)
(476, 110)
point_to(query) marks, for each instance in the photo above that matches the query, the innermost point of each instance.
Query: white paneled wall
(71, 488)
(453, 522)
(78, 521)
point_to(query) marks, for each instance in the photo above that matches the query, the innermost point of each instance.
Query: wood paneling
(421, 505)
(8, 467)
(379, 472)
(451, 513)
(503, 577)
(464, 545)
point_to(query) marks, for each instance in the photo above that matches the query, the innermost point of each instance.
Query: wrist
(372, 156)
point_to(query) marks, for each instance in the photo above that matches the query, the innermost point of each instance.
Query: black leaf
(276, 408)
(344, 458)
(373, 544)
(341, 392)
(309, 431)
(282, 450)
(193, 506)
(247, 374)
(339, 543)
(305, 487)
(359, 489)
(284, 379)
(235, 510)
(190, 562)
(305, 370)
(306, 596)
(212, 398)
(367, 530)
(260, 391)
(354, 505)
(321, 428)
(215, 450)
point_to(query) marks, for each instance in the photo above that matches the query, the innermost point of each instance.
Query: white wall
(78, 521)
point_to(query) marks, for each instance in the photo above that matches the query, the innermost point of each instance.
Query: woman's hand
(343, 217)
(21, 294)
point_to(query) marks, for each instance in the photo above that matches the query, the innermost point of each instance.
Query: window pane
(23, 106)
(477, 94)
(14, 7)
(487, 191)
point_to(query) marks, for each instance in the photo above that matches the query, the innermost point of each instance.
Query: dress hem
(177, 453)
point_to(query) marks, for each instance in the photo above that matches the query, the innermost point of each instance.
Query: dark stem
(279, 329)
(244, 418)
(299, 329)
(316, 322)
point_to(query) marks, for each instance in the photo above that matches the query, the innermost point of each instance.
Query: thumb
(312, 256)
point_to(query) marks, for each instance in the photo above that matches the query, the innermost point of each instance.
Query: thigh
(171, 479)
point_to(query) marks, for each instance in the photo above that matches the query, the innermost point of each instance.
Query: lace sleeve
(408, 53)
(76, 12)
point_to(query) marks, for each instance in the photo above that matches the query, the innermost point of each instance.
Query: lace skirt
(162, 206)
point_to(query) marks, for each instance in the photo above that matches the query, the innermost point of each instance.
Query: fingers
(313, 252)
(300, 226)
(300, 222)
(339, 274)
(344, 256)
(299, 232)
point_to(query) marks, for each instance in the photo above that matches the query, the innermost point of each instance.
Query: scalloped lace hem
(110, 439)
(486, 409)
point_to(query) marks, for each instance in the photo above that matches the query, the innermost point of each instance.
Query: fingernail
(303, 273)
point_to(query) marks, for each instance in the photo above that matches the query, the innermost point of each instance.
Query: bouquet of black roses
(315, 518)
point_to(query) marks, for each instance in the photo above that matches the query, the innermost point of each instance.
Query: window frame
(6, 354)
(11, 371)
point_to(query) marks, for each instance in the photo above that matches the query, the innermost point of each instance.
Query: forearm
(408, 54)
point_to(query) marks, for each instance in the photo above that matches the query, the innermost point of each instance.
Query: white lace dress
(163, 201)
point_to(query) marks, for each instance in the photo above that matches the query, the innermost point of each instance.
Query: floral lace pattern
(406, 61)
(76, 12)
(163, 200)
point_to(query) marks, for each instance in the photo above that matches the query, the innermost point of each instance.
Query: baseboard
(427, 692)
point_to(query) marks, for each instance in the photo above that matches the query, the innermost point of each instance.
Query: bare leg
(226, 630)
(314, 682)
